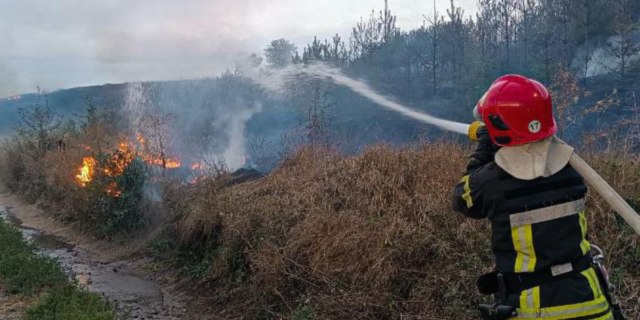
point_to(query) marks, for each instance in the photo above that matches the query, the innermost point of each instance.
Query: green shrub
(22, 271)
(70, 303)
(117, 214)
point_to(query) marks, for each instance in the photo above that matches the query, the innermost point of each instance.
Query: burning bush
(94, 177)
(109, 192)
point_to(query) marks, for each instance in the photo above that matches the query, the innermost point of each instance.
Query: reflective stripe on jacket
(536, 225)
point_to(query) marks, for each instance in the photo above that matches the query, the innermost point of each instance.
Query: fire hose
(598, 183)
(590, 175)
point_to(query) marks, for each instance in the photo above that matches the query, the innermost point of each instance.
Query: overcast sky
(58, 44)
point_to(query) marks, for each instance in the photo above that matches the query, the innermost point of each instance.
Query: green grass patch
(24, 272)
(70, 303)
(169, 254)
(21, 269)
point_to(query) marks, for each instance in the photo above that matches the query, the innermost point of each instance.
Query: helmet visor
(477, 115)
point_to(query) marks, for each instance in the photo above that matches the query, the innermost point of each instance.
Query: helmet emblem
(535, 126)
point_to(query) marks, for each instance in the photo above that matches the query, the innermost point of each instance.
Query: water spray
(276, 79)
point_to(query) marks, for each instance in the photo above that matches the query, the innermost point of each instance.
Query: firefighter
(519, 178)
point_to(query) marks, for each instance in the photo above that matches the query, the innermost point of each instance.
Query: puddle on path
(134, 296)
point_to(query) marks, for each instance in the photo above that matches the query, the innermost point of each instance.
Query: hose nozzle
(473, 130)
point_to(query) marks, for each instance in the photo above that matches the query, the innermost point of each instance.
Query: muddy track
(112, 269)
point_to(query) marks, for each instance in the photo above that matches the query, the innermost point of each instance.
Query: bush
(22, 271)
(110, 204)
(37, 168)
(70, 303)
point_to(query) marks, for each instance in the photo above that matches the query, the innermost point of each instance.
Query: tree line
(454, 55)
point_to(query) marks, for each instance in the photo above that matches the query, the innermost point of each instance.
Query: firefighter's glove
(478, 132)
(485, 150)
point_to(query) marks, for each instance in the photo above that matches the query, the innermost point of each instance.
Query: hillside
(211, 107)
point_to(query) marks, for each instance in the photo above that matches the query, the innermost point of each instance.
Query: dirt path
(114, 269)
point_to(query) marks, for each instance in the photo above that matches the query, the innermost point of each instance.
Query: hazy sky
(67, 43)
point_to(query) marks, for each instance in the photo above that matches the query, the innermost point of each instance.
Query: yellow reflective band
(515, 235)
(530, 299)
(536, 298)
(523, 244)
(526, 299)
(531, 252)
(593, 282)
(467, 192)
(566, 312)
(584, 245)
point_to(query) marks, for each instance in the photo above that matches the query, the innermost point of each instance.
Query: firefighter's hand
(478, 132)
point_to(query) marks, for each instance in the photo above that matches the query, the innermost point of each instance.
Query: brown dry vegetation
(49, 181)
(365, 237)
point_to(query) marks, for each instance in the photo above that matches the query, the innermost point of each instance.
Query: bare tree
(545, 38)
(623, 49)
(435, 35)
(506, 10)
(456, 32)
(38, 123)
(528, 12)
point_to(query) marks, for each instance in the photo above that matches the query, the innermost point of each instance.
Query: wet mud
(120, 282)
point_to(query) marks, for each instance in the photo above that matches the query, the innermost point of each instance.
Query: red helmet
(517, 111)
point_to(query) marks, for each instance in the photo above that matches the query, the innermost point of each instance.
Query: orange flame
(161, 161)
(86, 171)
(173, 164)
(141, 139)
(112, 190)
(119, 161)
(115, 167)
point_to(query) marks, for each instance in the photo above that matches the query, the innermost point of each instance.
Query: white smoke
(602, 61)
(136, 105)
(278, 80)
(145, 101)
(234, 154)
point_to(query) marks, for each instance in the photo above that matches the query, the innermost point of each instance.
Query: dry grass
(365, 237)
(608, 230)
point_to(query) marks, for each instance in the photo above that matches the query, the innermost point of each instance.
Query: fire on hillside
(14, 97)
(119, 161)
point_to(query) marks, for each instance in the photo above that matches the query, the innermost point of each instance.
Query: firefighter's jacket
(537, 226)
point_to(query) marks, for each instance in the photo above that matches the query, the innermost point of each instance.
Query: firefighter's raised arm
(467, 194)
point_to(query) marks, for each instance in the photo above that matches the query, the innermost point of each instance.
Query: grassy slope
(364, 237)
(23, 272)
